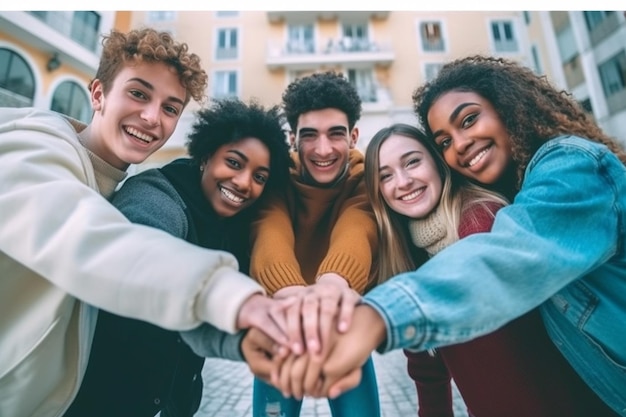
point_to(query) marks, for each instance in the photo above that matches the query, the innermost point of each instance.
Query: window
(504, 39)
(226, 43)
(300, 39)
(227, 13)
(536, 61)
(161, 16)
(567, 44)
(431, 70)
(613, 74)
(594, 18)
(224, 84)
(432, 38)
(355, 37)
(363, 81)
(17, 84)
(70, 99)
(527, 17)
(85, 28)
(586, 106)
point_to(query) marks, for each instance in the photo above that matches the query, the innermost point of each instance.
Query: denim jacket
(560, 244)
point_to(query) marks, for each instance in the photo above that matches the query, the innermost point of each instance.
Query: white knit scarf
(430, 232)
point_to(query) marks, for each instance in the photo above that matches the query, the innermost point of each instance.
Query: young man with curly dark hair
(318, 242)
(66, 252)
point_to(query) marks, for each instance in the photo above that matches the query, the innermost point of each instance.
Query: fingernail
(296, 348)
(343, 326)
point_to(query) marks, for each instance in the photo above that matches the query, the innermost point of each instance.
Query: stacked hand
(327, 340)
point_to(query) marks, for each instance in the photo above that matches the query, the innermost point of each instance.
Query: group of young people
(473, 244)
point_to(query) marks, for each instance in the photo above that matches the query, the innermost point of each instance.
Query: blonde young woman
(421, 207)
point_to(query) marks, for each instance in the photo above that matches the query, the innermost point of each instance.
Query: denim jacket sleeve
(564, 223)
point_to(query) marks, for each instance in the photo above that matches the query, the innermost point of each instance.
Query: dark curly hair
(318, 91)
(230, 120)
(149, 45)
(531, 108)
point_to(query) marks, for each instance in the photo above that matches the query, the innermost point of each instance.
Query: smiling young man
(65, 250)
(318, 242)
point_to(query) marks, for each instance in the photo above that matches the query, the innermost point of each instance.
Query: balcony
(311, 16)
(604, 29)
(68, 25)
(57, 32)
(346, 51)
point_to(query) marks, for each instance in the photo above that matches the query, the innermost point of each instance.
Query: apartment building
(385, 54)
(588, 49)
(47, 58)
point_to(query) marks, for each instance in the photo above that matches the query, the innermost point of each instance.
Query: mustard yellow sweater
(315, 230)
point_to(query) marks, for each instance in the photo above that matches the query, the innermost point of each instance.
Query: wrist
(369, 317)
(333, 279)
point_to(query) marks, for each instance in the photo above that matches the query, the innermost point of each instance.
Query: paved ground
(228, 390)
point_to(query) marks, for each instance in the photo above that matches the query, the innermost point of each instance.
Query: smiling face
(473, 139)
(410, 183)
(234, 177)
(324, 142)
(137, 115)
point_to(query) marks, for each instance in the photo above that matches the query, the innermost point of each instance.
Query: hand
(350, 350)
(266, 314)
(329, 301)
(263, 355)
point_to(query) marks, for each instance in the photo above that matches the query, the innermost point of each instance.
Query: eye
(469, 120)
(443, 142)
(261, 178)
(233, 163)
(172, 110)
(307, 136)
(412, 161)
(338, 134)
(384, 176)
(137, 94)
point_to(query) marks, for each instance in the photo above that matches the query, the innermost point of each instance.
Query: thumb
(345, 383)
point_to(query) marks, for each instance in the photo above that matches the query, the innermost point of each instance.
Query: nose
(242, 181)
(403, 179)
(461, 143)
(323, 146)
(151, 113)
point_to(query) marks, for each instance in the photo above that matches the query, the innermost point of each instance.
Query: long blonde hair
(396, 252)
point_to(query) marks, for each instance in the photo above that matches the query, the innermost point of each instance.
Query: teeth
(323, 163)
(412, 195)
(477, 157)
(232, 196)
(139, 135)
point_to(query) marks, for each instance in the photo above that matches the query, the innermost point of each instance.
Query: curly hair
(230, 120)
(531, 108)
(148, 45)
(319, 91)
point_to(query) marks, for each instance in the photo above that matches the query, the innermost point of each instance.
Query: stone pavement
(228, 390)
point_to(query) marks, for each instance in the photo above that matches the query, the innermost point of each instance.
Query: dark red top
(515, 371)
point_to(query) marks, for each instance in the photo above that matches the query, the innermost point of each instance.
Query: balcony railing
(333, 51)
(506, 46)
(64, 23)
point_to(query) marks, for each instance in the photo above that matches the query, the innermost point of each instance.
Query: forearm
(208, 341)
(86, 247)
(485, 280)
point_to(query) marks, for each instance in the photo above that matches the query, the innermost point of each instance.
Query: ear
(97, 95)
(292, 141)
(354, 137)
